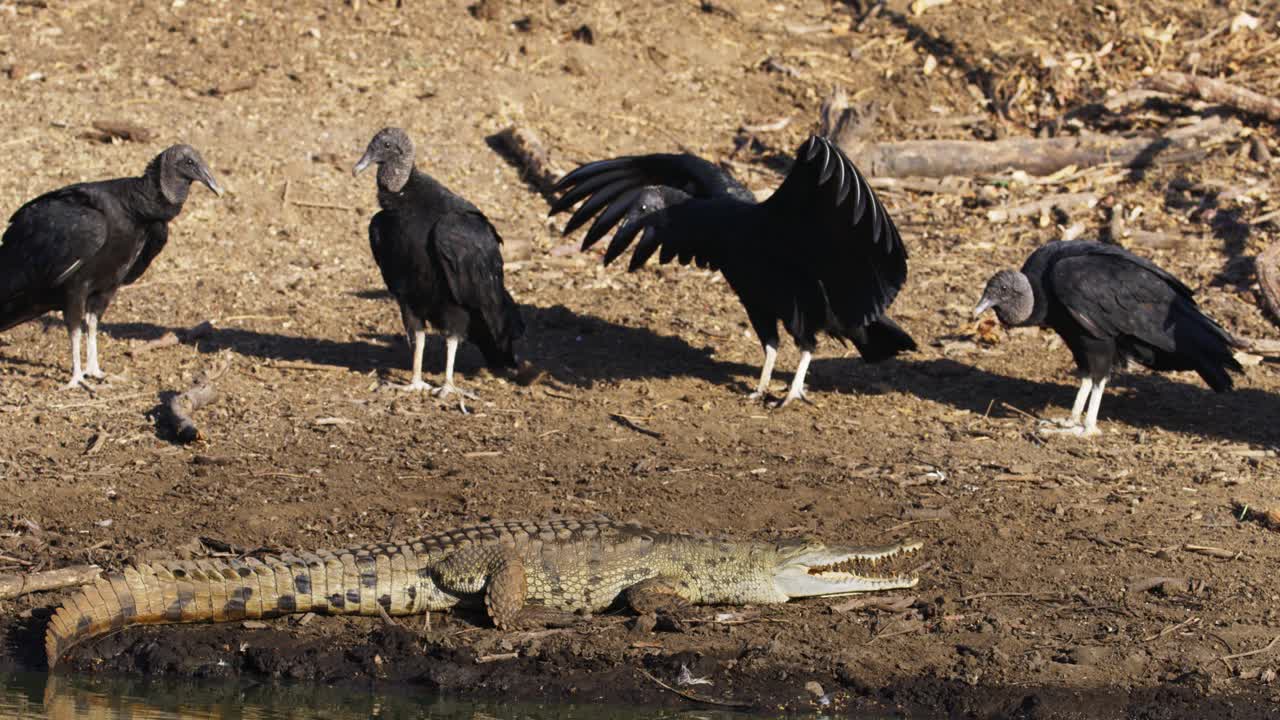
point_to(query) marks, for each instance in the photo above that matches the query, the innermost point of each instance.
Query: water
(36, 695)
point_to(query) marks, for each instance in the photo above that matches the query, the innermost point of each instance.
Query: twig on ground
(1251, 653)
(691, 696)
(1173, 628)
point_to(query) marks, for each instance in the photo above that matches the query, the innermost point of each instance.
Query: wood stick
(940, 158)
(1063, 201)
(182, 406)
(12, 586)
(1217, 91)
(1268, 269)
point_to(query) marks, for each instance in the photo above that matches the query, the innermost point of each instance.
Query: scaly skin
(568, 565)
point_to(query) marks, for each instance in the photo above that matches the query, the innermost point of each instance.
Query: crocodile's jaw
(814, 571)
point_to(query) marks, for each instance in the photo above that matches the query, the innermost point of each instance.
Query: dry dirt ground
(1032, 599)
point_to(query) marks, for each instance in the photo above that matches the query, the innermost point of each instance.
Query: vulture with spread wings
(820, 255)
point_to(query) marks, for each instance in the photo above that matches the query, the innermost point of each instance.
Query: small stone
(1088, 655)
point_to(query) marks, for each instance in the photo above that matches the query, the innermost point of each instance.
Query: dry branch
(171, 338)
(12, 586)
(181, 406)
(1217, 91)
(940, 158)
(1268, 269)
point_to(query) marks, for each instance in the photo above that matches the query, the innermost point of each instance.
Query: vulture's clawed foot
(1080, 431)
(415, 386)
(448, 389)
(792, 397)
(95, 373)
(78, 382)
(1060, 422)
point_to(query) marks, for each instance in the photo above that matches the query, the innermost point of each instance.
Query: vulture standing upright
(71, 249)
(820, 255)
(441, 258)
(1110, 306)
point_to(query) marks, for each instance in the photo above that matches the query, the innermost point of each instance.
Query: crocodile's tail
(214, 590)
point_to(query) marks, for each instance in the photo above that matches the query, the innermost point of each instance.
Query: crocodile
(569, 565)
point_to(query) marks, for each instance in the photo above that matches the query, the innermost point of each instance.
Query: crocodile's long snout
(825, 571)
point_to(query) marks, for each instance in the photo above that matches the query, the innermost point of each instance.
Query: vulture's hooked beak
(206, 177)
(984, 305)
(360, 166)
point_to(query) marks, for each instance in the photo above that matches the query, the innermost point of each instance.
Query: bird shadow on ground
(1142, 400)
(574, 349)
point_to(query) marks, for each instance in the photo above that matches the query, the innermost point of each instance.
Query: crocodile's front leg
(505, 593)
(655, 594)
(495, 573)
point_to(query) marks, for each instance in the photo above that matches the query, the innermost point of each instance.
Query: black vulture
(1110, 306)
(820, 255)
(441, 258)
(71, 249)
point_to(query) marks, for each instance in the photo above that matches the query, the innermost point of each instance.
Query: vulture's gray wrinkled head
(652, 199)
(176, 168)
(392, 150)
(1009, 293)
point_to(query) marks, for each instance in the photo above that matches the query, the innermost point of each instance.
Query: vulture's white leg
(1093, 391)
(92, 370)
(419, 344)
(766, 372)
(1095, 401)
(77, 375)
(1077, 408)
(451, 350)
(797, 383)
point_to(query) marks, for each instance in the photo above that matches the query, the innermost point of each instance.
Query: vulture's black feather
(820, 255)
(71, 249)
(441, 258)
(1110, 306)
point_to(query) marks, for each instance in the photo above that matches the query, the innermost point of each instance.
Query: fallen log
(525, 150)
(1217, 91)
(1038, 156)
(18, 584)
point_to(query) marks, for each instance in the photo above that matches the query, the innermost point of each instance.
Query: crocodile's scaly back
(402, 578)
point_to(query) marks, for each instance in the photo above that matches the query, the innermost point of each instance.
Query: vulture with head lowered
(1110, 306)
(72, 249)
(820, 255)
(441, 259)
